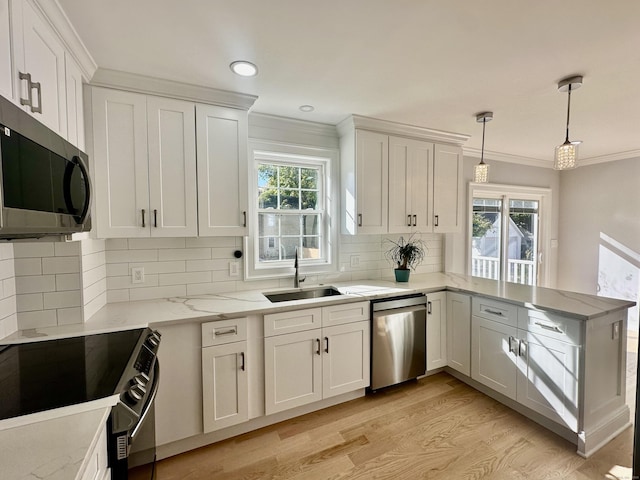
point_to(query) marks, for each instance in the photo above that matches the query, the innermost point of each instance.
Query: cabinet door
(372, 187)
(436, 330)
(293, 370)
(120, 157)
(459, 332)
(173, 208)
(346, 358)
(400, 172)
(494, 350)
(75, 112)
(222, 171)
(548, 378)
(6, 58)
(225, 397)
(447, 188)
(43, 58)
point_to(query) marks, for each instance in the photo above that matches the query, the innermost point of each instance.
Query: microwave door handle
(77, 162)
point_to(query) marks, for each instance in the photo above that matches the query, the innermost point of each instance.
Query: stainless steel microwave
(45, 187)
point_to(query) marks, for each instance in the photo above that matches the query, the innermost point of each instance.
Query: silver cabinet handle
(37, 109)
(553, 328)
(242, 364)
(428, 308)
(155, 218)
(494, 312)
(244, 219)
(408, 220)
(436, 224)
(326, 344)
(512, 348)
(359, 219)
(318, 350)
(29, 100)
(522, 348)
(415, 220)
(143, 224)
(220, 333)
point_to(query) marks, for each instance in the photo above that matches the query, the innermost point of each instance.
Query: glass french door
(505, 237)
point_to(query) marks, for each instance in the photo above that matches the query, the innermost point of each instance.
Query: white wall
(596, 199)
(456, 247)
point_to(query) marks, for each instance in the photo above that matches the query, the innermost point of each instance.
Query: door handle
(143, 224)
(37, 109)
(155, 218)
(415, 220)
(359, 219)
(29, 100)
(318, 350)
(522, 348)
(408, 220)
(512, 348)
(244, 219)
(326, 344)
(428, 308)
(242, 364)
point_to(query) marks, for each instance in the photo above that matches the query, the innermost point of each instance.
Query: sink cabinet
(325, 352)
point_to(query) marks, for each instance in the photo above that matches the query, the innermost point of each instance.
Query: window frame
(303, 156)
(517, 192)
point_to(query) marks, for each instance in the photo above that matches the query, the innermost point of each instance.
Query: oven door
(133, 453)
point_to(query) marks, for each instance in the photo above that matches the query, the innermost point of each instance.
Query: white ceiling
(422, 62)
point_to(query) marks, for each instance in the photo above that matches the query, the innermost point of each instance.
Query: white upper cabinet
(410, 167)
(6, 79)
(144, 164)
(447, 189)
(75, 104)
(222, 170)
(398, 178)
(39, 59)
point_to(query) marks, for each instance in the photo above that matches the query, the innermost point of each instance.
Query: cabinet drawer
(224, 331)
(550, 325)
(502, 312)
(345, 313)
(293, 321)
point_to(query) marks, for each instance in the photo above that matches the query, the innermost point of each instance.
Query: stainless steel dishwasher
(398, 340)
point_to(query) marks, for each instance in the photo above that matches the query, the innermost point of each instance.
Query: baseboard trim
(589, 442)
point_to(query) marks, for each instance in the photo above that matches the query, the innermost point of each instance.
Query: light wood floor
(435, 428)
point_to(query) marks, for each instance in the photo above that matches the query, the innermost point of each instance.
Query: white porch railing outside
(518, 271)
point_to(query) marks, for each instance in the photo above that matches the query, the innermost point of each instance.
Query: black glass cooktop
(49, 374)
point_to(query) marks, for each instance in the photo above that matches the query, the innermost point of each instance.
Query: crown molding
(58, 20)
(265, 120)
(401, 129)
(536, 162)
(133, 82)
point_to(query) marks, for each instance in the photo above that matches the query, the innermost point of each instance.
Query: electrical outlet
(354, 261)
(234, 269)
(137, 274)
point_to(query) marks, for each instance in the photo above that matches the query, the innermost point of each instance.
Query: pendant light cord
(566, 140)
(484, 124)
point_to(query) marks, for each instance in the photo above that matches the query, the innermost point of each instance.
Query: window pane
(269, 249)
(485, 246)
(289, 200)
(289, 177)
(267, 224)
(523, 239)
(309, 200)
(288, 247)
(290, 224)
(311, 247)
(311, 224)
(309, 178)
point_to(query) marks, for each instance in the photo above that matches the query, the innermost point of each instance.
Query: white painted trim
(400, 129)
(611, 157)
(592, 441)
(168, 88)
(264, 120)
(59, 21)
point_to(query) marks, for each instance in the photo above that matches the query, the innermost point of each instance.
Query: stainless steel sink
(300, 294)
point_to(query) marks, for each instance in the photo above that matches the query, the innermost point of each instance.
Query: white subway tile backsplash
(125, 282)
(6, 251)
(176, 266)
(93, 291)
(184, 254)
(60, 265)
(66, 249)
(9, 324)
(37, 319)
(7, 307)
(91, 246)
(93, 260)
(68, 281)
(35, 249)
(8, 287)
(92, 306)
(198, 242)
(117, 269)
(114, 296)
(184, 278)
(62, 299)
(68, 316)
(7, 269)
(28, 266)
(29, 302)
(36, 284)
(116, 244)
(158, 292)
(89, 277)
(151, 243)
(203, 265)
(122, 256)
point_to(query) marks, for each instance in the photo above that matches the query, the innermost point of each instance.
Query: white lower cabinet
(97, 464)
(436, 330)
(459, 332)
(534, 369)
(225, 384)
(310, 365)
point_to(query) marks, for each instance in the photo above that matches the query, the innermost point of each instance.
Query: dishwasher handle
(419, 302)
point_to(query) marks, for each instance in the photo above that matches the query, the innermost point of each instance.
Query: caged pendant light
(481, 171)
(567, 154)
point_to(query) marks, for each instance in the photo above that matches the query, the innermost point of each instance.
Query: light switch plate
(234, 269)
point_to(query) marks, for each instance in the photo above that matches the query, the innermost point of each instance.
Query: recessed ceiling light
(244, 68)
(306, 108)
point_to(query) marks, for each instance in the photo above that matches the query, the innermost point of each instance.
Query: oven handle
(147, 407)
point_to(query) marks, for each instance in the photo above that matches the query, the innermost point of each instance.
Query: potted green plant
(406, 255)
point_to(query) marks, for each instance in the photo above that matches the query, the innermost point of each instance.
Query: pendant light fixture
(481, 171)
(567, 153)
